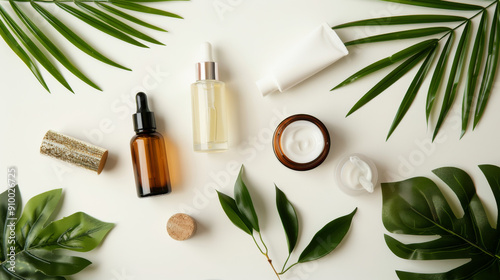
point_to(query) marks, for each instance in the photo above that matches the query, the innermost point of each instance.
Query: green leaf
(33, 254)
(129, 17)
(454, 78)
(21, 53)
(288, 218)
(9, 212)
(388, 61)
(100, 25)
(475, 63)
(78, 232)
(413, 90)
(54, 264)
(244, 201)
(438, 75)
(143, 9)
(398, 20)
(492, 174)
(229, 206)
(73, 38)
(49, 46)
(35, 215)
(327, 238)
(400, 35)
(33, 49)
(491, 67)
(416, 206)
(448, 5)
(390, 79)
(117, 24)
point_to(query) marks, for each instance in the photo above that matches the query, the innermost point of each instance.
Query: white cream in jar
(301, 142)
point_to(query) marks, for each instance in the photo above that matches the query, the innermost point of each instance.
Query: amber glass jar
(149, 156)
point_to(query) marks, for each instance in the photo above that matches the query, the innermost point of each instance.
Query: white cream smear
(302, 141)
(356, 174)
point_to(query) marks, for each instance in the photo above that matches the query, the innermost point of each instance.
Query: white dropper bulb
(206, 52)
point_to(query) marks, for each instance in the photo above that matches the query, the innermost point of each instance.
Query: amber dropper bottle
(148, 152)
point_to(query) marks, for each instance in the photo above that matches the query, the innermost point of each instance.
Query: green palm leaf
(413, 90)
(400, 35)
(454, 78)
(486, 40)
(473, 72)
(108, 18)
(491, 67)
(438, 75)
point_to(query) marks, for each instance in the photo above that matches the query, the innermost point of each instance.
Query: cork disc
(181, 226)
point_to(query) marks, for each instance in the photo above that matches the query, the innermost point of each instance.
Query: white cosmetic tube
(310, 55)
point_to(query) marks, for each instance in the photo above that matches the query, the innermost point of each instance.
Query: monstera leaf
(112, 17)
(416, 206)
(475, 58)
(30, 242)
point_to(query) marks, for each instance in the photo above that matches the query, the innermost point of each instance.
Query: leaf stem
(285, 263)
(255, 241)
(283, 272)
(465, 21)
(263, 243)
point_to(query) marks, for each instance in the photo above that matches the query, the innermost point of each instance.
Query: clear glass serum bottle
(208, 97)
(149, 156)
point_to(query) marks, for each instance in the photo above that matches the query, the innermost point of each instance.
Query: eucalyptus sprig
(242, 214)
(482, 59)
(113, 17)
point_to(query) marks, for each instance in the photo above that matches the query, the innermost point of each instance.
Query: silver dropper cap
(206, 69)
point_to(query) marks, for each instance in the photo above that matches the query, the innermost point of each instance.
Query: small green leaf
(438, 75)
(35, 215)
(9, 212)
(129, 17)
(229, 206)
(454, 78)
(78, 232)
(388, 61)
(327, 238)
(412, 90)
(73, 38)
(100, 25)
(475, 63)
(390, 79)
(448, 5)
(397, 20)
(400, 35)
(143, 9)
(244, 201)
(491, 67)
(288, 218)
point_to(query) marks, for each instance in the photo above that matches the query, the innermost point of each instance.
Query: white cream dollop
(302, 141)
(357, 175)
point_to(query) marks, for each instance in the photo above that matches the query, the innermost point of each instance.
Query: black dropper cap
(144, 119)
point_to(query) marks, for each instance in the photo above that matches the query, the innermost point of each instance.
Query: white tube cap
(267, 85)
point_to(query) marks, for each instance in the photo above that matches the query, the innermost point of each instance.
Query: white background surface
(247, 36)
